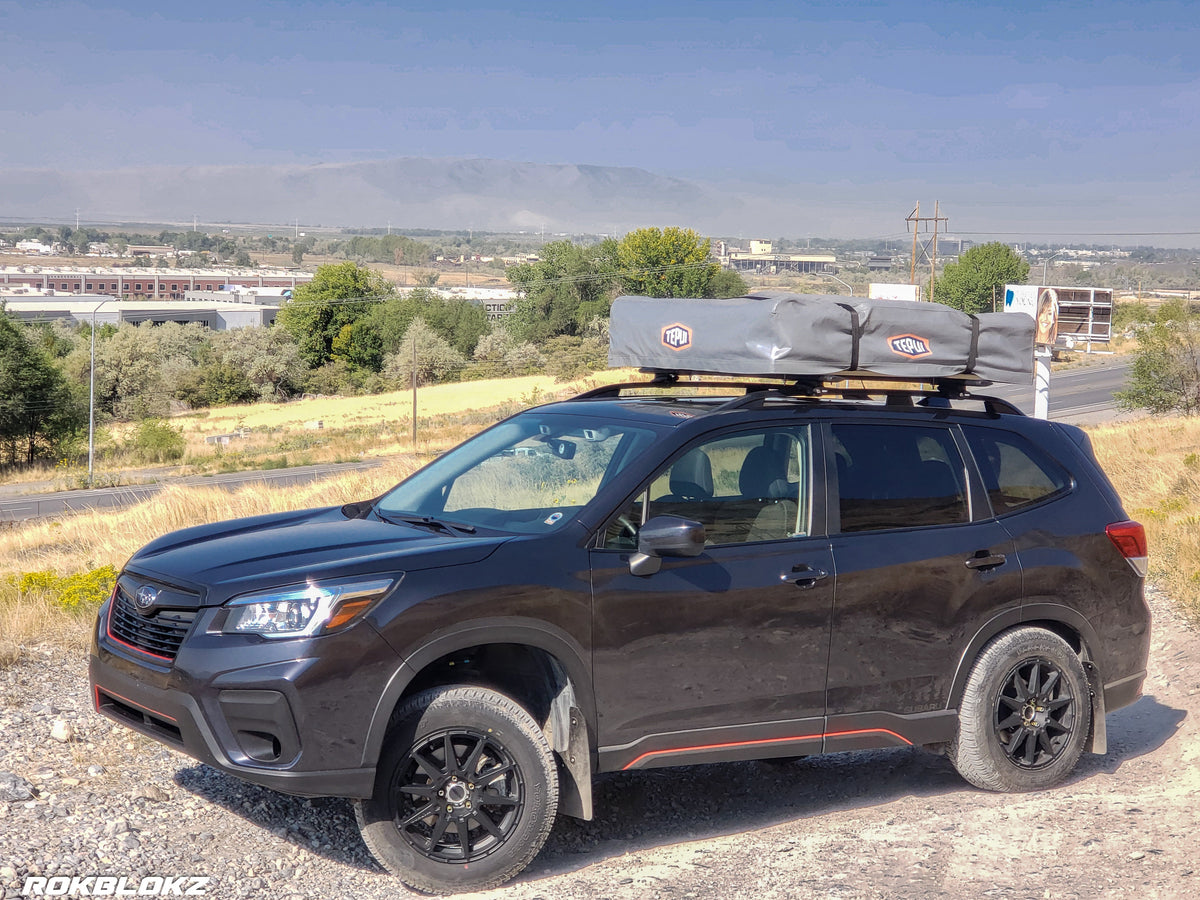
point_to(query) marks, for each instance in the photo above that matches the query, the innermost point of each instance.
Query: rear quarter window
(1016, 473)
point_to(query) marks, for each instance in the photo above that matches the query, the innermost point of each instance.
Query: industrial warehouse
(219, 299)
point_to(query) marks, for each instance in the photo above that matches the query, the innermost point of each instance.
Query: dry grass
(109, 537)
(340, 412)
(1155, 466)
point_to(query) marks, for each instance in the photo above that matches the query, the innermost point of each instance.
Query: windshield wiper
(429, 522)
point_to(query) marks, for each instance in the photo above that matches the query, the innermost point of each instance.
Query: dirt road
(897, 823)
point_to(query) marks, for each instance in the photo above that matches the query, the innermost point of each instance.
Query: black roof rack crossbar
(758, 393)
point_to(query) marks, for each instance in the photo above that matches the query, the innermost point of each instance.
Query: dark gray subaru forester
(651, 575)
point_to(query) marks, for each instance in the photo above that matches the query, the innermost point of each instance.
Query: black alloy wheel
(1035, 714)
(458, 796)
(1025, 713)
(466, 791)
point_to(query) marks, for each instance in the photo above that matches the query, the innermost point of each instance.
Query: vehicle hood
(221, 560)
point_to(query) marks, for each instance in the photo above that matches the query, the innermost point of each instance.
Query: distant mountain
(485, 194)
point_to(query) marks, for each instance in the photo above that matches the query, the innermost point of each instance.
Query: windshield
(526, 475)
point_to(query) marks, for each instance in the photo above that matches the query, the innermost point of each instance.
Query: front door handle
(804, 576)
(983, 560)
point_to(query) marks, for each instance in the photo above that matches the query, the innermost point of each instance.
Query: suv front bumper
(281, 714)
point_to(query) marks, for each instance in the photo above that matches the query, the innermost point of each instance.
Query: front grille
(159, 635)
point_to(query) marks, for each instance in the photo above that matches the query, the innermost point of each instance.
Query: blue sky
(1065, 113)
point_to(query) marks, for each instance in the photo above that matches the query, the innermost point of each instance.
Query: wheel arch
(1062, 620)
(539, 666)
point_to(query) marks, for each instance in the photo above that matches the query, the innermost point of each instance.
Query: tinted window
(1015, 472)
(898, 476)
(744, 487)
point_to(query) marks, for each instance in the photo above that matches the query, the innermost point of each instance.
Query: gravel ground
(896, 823)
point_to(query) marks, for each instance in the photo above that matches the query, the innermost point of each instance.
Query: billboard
(878, 291)
(1066, 316)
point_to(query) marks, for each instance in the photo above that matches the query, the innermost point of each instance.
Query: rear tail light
(1130, 539)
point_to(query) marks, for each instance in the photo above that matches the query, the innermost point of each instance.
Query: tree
(726, 283)
(1165, 376)
(268, 357)
(457, 320)
(359, 346)
(563, 290)
(436, 359)
(129, 377)
(37, 409)
(668, 262)
(338, 295)
(979, 277)
(497, 354)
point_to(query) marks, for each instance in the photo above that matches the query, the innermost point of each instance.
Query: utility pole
(915, 219)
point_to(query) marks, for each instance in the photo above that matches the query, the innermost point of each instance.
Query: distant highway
(1085, 393)
(34, 506)
(1075, 393)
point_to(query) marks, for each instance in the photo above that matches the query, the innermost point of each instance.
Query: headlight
(303, 611)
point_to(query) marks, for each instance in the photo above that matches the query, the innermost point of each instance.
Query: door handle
(983, 560)
(804, 576)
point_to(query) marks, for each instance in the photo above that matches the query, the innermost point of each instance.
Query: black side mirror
(665, 536)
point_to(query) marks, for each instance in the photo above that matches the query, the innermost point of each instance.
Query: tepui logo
(909, 345)
(677, 337)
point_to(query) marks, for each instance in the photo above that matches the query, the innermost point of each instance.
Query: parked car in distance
(632, 579)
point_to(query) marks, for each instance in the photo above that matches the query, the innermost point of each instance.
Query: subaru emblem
(145, 598)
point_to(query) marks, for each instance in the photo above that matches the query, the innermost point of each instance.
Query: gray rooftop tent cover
(819, 335)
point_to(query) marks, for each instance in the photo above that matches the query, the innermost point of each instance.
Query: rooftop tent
(817, 335)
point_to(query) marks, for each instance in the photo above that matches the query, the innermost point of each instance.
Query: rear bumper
(1124, 691)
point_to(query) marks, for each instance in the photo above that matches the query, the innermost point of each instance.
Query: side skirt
(795, 737)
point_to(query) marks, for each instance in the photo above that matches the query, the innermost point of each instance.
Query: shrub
(157, 441)
(70, 592)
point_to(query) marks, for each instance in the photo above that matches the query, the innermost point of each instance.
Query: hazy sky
(1058, 115)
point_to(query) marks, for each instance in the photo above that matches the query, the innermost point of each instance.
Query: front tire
(1025, 714)
(465, 792)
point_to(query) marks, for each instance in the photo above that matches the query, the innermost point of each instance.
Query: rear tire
(1025, 714)
(465, 792)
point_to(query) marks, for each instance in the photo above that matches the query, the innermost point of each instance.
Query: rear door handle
(983, 560)
(804, 576)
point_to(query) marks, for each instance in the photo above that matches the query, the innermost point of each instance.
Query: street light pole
(92, 393)
(839, 281)
(1046, 264)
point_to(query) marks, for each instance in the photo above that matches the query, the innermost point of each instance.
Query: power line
(1084, 233)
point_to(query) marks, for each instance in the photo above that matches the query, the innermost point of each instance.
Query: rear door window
(897, 476)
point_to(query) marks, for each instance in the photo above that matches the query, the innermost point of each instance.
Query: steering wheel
(627, 526)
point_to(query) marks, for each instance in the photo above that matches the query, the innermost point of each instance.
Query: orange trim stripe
(133, 703)
(763, 741)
